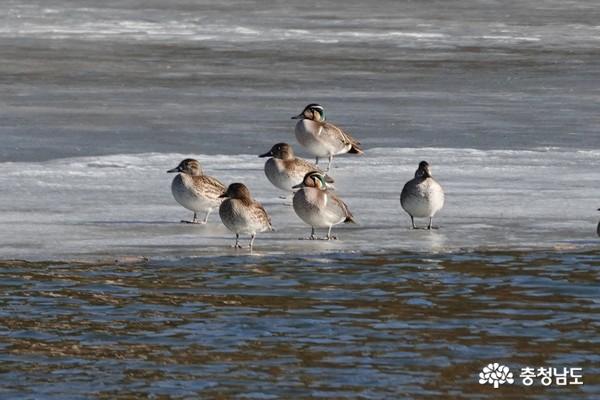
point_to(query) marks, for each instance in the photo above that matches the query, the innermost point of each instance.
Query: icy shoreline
(121, 205)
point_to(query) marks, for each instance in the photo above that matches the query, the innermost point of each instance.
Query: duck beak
(329, 179)
(176, 169)
(298, 186)
(299, 116)
(267, 154)
(223, 195)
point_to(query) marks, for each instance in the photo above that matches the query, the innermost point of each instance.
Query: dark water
(384, 326)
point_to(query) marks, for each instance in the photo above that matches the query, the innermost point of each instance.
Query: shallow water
(383, 326)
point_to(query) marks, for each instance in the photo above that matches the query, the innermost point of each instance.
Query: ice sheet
(122, 204)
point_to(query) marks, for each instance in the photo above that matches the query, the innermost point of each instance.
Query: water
(146, 307)
(89, 78)
(383, 326)
(116, 299)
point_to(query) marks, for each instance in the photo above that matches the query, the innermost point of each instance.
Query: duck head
(237, 191)
(313, 111)
(423, 171)
(314, 179)
(188, 166)
(282, 151)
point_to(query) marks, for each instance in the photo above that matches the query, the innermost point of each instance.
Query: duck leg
(412, 221)
(329, 237)
(330, 161)
(237, 241)
(430, 226)
(252, 241)
(206, 217)
(317, 160)
(193, 221)
(312, 235)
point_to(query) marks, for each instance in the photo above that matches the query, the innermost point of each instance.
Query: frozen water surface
(117, 77)
(122, 204)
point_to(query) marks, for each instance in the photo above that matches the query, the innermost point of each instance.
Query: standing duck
(284, 170)
(319, 207)
(194, 190)
(241, 214)
(422, 196)
(322, 138)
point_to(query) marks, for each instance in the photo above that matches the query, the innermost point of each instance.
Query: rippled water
(90, 77)
(382, 326)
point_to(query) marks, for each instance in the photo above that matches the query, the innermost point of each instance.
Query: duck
(241, 214)
(319, 207)
(322, 138)
(194, 190)
(284, 170)
(422, 196)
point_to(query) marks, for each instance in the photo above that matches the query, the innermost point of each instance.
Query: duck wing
(208, 186)
(301, 167)
(342, 137)
(340, 207)
(263, 216)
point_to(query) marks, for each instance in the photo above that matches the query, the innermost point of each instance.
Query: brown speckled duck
(194, 190)
(241, 214)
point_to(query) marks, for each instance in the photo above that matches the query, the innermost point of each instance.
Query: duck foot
(319, 238)
(311, 237)
(183, 221)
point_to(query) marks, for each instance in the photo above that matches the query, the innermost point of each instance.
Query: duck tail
(355, 149)
(350, 219)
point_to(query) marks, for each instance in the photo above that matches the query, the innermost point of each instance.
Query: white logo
(495, 374)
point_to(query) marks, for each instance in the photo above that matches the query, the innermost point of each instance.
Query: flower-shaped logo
(495, 374)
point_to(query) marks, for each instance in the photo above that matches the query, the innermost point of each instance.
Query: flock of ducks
(314, 201)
